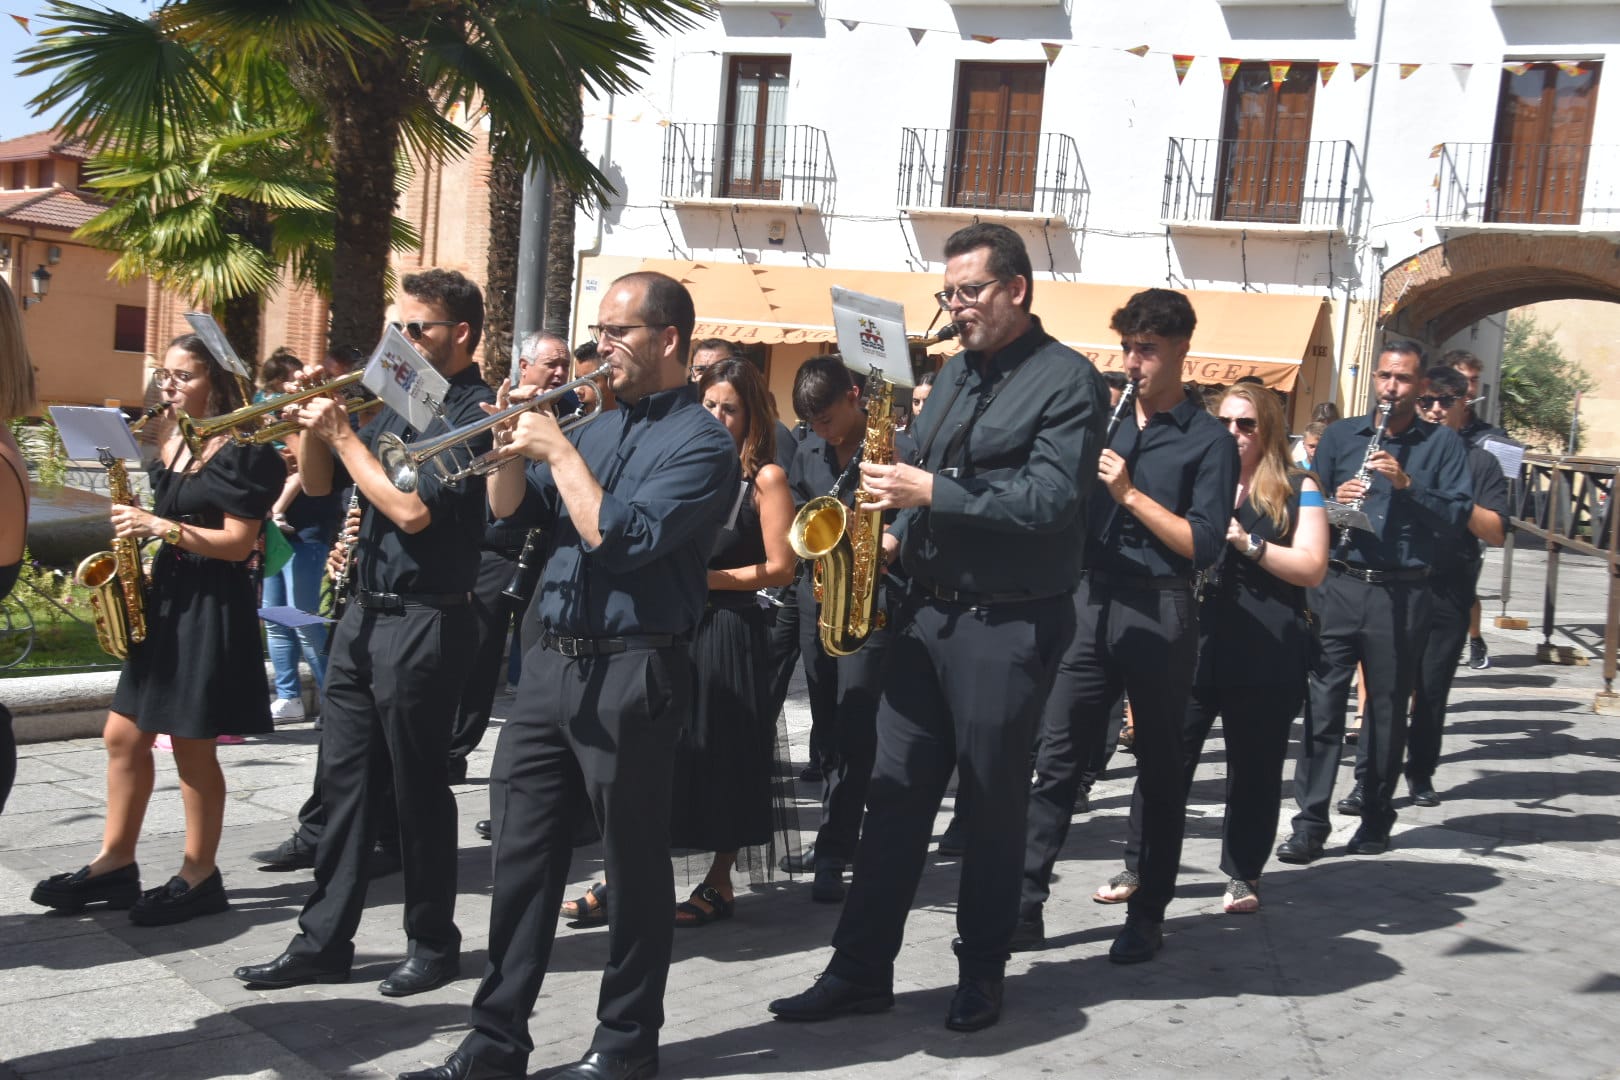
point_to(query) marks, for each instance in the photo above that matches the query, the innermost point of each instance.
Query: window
(997, 136)
(1266, 144)
(1543, 143)
(756, 132)
(129, 329)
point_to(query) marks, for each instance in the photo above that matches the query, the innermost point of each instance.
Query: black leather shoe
(482, 828)
(1367, 842)
(951, 841)
(291, 854)
(1082, 803)
(1423, 793)
(176, 901)
(1139, 941)
(416, 975)
(118, 889)
(599, 1066)
(1029, 934)
(1350, 805)
(802, 863)
(461, 1065)
(831, 996)
(828, 887)
(382, 863)
(288, 970)
(1299, 850)
(975, 1005)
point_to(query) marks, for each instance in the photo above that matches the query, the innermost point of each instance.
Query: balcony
(1290, 185)
(992, 172)
(781, 164)
(1523, 184)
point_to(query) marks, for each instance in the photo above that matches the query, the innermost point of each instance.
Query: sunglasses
(1246, 424)
(1429, 401)
(414, 329)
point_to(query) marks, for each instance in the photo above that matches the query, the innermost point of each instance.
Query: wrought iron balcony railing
(781, 162)
(1026, 171)
(1278, 182)
(1528, 184)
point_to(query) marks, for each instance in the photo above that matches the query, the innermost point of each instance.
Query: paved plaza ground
(1485, 944)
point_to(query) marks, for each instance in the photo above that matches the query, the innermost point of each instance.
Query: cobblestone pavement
(1484, 944)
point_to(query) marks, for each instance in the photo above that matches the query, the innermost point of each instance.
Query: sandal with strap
(719, 908)
(1242, 897)
(1120, 888)
(589, 909)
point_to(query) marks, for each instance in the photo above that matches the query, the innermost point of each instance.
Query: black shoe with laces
(831, 996)
(1479, 657)
(291, 854)
(1350, 805)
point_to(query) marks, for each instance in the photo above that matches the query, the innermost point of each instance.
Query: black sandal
(719, 908)
(586, 913)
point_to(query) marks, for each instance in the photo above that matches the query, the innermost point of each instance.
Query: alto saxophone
(844, 544)
(115, 579)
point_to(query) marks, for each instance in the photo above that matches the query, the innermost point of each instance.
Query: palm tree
(383, 71)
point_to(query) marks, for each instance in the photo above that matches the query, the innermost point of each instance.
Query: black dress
(200, 671)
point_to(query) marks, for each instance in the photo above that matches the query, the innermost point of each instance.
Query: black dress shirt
(1460, 560)
(1186, 461)
(1009, 515)
(1408, 525)
(815, 469)
(1477, 431)
(670, 475)
(442, 558)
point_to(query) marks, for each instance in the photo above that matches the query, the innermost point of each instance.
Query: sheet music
(1509, 455)
(88, 430)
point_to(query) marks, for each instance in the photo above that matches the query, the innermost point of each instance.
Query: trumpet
(197, 432)
(403, 461)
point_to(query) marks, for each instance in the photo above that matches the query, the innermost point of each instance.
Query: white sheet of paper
(87, 430)
(1509, 455)
(872, 334)
(405, 381)
(204, 326)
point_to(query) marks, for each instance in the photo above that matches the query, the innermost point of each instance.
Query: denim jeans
(298, 584)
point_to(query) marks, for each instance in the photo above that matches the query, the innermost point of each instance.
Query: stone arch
(1446, 287)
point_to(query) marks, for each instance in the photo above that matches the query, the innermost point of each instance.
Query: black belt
(1140, 582)
(398, 602)
(1380, 577)
(604, 646)
(976, 599)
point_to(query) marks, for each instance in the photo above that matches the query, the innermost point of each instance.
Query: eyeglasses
(1246, 424)
(1429, 401)
(604, 332)
(969, 294)
(414, 329)
(165, 377)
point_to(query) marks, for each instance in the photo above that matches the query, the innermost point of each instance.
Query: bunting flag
(1571, 68)
(22, 21)
(1461, 71)
(1183, 61)
(985, 39)
(1279, 72)
(1408, 70)
(1515, 69)
(1051, 49)
(1360, 70)
(1229, 68)
(849, 24)
(1327, 68)
(1415, 265)
(1140, 50)
(1437, 150)
(916, 35)
(782, 18)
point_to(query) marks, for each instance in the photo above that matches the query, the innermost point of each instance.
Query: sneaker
(287, 710)
(1479, 657)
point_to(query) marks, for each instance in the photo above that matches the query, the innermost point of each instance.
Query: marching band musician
(391, 686)
(633, 503)
(199, 673)
(990, 533)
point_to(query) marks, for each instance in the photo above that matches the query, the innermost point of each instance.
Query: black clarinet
(526, 574)
(1127, 397)
(343, 584)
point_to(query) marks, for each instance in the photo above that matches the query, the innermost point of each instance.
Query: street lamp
(41, 279)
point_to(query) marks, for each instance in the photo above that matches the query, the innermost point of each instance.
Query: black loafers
(975, 1005)
(1299, 849)
(288, 970)
(1367, 842)
(461, 1065)
(599, 1066)
(1029, 934)
(1350, 805)
(416, 975)
(118, 889)
(289, 855)
(176, 901)
(831, 996)
(1138, 942)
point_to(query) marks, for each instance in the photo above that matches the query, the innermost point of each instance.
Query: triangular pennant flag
(22, 21)
(1183, 61)
(782, 18)
(1572, 68)
(1326, 69)
(849, 24)
(1229, 68)
(1461, 71)
(1051, 50)
(1408, 70)
(916, 35)
(1140, 50)
(663, 123)
(1279, 72)
(1516, 69)
(1416, 264)
(985, 39)
(1360, 70)
(1438, 149)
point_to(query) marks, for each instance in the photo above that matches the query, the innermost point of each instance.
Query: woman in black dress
(1254, 643)
(200, 672)
(16, 399)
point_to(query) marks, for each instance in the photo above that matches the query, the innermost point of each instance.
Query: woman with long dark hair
(199, 673)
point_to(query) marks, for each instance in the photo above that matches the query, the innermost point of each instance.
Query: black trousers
(962, 690)
(386, 710)
(1145, 643)
(1384, 628)
(492, 616)
(1254, 726)
(784, 645)
(598, 732)
(1452, 597)
(8, 756)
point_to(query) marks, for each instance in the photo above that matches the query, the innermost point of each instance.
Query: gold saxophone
(845, 544)
(116, 582)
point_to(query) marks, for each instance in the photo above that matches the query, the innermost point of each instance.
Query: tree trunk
(500, 285)
(365, 114)
(560, 245)
(241, 323)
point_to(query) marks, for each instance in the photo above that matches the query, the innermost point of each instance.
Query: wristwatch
(171, 535)
(1256, 546)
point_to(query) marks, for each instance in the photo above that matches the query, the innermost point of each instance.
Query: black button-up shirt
(442, 558)
(815, 469)
(1186, 461)
(670, 476)
(1460, 560)
(1409, 524)
(1010, 516)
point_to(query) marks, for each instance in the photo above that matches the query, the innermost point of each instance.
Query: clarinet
(1127, 398)
(343, 584)
(1343, 514)
(526, 574)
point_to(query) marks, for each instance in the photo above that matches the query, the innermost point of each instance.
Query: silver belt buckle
(953, 472)
(567, 646)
